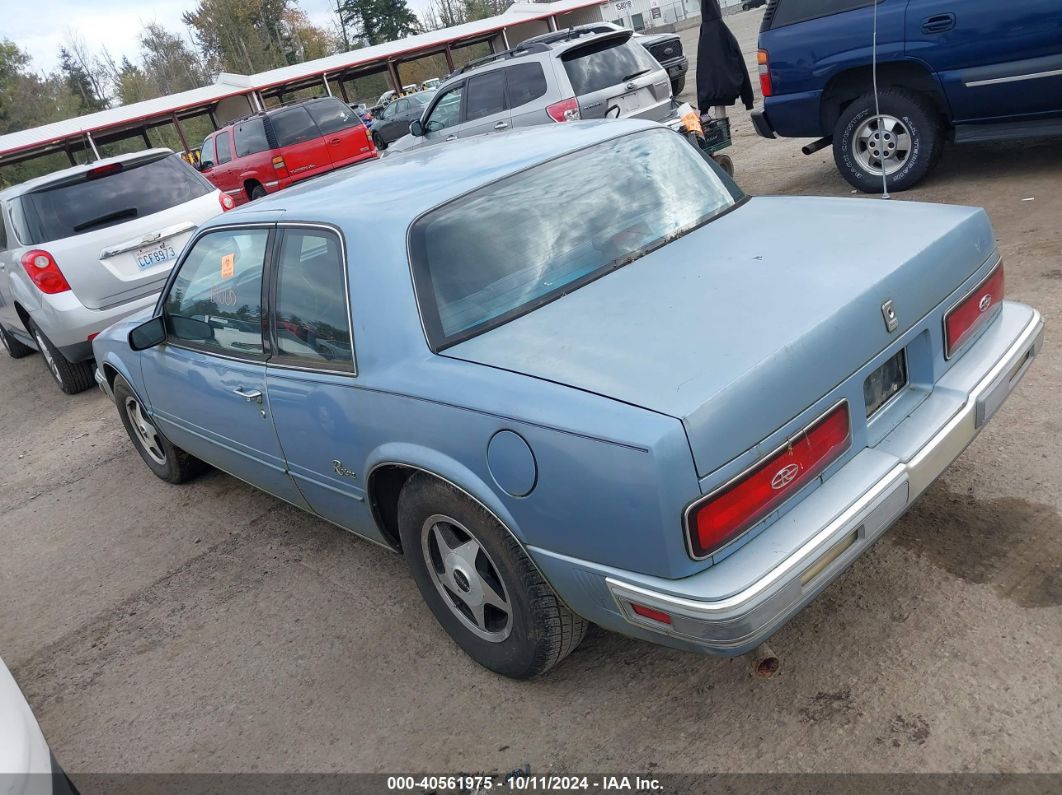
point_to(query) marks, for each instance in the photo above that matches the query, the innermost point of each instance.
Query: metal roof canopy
(77, 133)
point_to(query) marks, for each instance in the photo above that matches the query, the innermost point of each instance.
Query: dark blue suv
(965, 70)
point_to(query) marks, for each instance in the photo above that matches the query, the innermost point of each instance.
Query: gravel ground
(213, 628)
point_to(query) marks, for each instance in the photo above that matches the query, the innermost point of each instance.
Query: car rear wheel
(378, 142)
(165, 459)
(904, 142)
(677, 85)
(72, 377)
(257, 192)
(14, 348)
(479, 583)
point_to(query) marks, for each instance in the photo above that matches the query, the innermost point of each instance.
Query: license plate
(628, 103)
(150, 256)
(885, 382)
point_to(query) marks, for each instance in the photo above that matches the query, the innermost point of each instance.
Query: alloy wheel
(145, 432)
(882, 143)
(47, 354)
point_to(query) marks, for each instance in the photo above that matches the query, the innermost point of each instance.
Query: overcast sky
(40, 30)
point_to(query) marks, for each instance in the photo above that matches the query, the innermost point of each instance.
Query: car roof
(31, 185)
(399, 187)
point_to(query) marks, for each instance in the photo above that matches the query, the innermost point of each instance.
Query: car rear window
(789, 12)
(517, 243)
(251, 137)
(604, 64)
(524, 82)
(332, 115)
(86, 203)
(293, 126)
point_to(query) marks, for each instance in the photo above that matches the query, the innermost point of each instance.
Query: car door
(299, 142)
(486, 110)
(8, 315)
(995, 60)
(444, 116)
(394, 126)
(255, 164)
(344, 134)
(206, 384)
(223, 173)
(525, 85)
(311, 376)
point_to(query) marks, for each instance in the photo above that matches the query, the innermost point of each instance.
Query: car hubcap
(146, 435)
(466, 578)
(882, 144)
(47, 354)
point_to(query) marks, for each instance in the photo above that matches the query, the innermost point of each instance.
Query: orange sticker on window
(228, 266)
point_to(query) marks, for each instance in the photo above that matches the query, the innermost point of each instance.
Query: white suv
(84, 247)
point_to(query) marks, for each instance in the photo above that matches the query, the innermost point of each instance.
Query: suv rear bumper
(762, 125)
(738, 603)
(796, 115)
(68, 323)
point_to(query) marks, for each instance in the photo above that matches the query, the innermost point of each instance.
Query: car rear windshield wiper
(103, 220)
(636, 74)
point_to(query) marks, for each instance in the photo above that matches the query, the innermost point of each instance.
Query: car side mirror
(416, 128)
(205, 165)
(147, 334)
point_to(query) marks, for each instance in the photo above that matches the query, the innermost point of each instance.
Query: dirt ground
(213, 628)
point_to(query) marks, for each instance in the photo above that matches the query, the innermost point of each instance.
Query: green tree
(169, 63)
(131, 84)
(79, 83)
(377, 21)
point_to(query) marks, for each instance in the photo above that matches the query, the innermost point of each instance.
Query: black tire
(541, 630)
(257, 192)
(677, 85)
(378, 142)
(726, 163)
(911, 110)
(14, 348)
(72, 377)
(176, 465)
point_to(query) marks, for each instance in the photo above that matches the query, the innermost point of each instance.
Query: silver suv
(574, 74)
(82, 248)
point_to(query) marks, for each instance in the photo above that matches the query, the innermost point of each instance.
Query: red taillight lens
(973, 311)
(565, 110)
(766, 87)
(44, 272)
(278, 163)
(103, 171)
(740, 504)
(226, 202)
(651, 613)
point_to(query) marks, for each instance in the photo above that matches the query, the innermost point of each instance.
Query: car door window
(523, 83)
(331, 116)
(251, 137)
(312, 322)
(207, 153)
(486, 95)
(447, 110)
(215, 301)
(293, 126)
(401, 107)
(224, 145)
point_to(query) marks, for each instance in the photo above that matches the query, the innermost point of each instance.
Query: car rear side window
(109, 195)
(331, 116)
(223, 142)
(311, 319)
(251, 137)
(293, 126)
(789, 12)
(606, 64)
(486, 95)
(215, 302)
(524, 82)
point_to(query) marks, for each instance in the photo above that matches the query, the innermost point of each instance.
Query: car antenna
(877, 104)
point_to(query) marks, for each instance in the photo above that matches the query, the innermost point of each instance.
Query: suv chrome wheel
(882, 142)
(466, 578)
(146, 435)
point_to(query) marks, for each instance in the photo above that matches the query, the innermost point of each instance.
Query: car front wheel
(904, 142)
(165, 459)
(378, 142)
(677, 85)
(479, 583)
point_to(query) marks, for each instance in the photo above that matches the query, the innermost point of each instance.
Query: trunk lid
(739, 326)
(615, 77)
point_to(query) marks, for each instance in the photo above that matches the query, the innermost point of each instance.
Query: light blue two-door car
(582, 377)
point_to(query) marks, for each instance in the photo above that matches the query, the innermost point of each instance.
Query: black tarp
(721, 73)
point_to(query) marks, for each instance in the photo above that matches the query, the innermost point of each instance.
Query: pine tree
(79, 83)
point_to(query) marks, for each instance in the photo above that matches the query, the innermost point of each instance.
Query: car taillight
(44, 272)
(973, 311)
(278, 163)
(226, 201)
(766, 87)
(726, 513)
(565, 110)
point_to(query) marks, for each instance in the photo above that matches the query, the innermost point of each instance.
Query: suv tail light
(226, 201)
(727, 512)
(565, 110)
(766, 87)
(279, 164)
(973, 311)
(44, 272)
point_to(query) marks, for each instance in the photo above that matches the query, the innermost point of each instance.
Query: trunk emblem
(784, 476)
(888, 312)
(985, 302)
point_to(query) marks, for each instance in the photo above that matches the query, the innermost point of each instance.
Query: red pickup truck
(278, 147)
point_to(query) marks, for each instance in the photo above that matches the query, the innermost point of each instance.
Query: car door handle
(451, 137)
(940, 23)
(335, 140)
(254, 396)
(501, 126)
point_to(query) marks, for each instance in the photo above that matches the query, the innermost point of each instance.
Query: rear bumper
(797, 115)
(761, 124)
(68, 323)
(739, 602)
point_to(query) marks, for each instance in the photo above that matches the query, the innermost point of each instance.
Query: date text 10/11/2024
(521, 782)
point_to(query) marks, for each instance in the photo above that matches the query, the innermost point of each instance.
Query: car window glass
(486, 95)
(224, 145)
(332, 116)
(402, 106)
(3, 231)
(447, 112)
(207, 153)
(311, 309)
(216, 299)
(251, 137)
(789, 12)
(524, 82)
(605, 65)
(293, 126)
